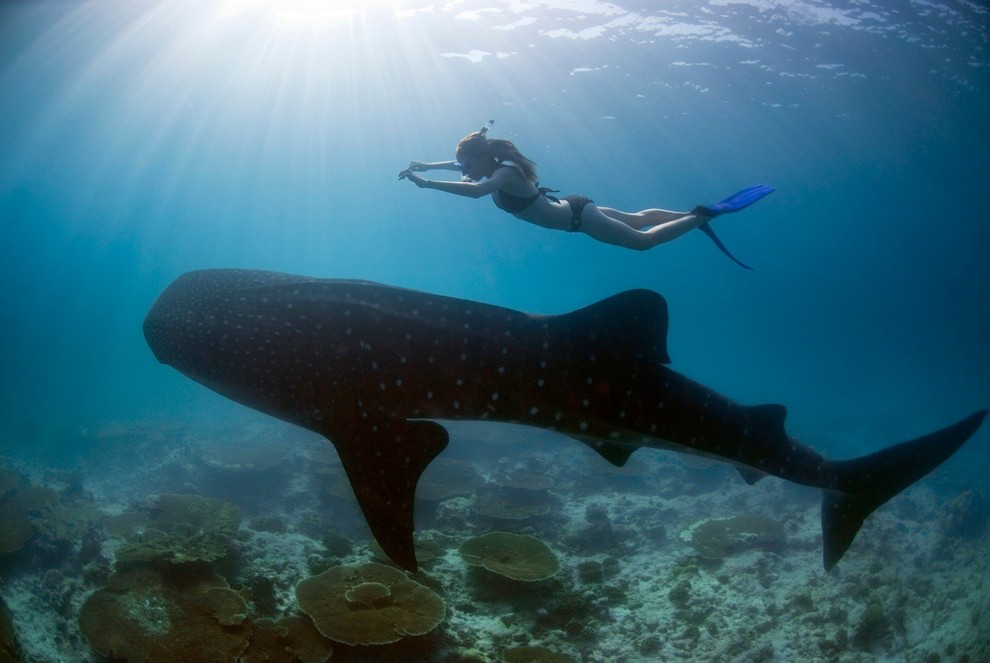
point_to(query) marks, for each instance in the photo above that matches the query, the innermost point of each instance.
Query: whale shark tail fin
(866, 483)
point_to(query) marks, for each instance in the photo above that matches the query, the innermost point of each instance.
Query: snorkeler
(497, 167)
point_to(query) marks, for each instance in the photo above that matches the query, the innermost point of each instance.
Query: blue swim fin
(738, 201)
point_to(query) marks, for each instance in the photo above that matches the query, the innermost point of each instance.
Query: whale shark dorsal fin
(632, 323)
(749, 475)
(615, 453)
(383, 461)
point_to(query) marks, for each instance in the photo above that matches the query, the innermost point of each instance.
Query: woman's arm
(420, 166)
(468, 189)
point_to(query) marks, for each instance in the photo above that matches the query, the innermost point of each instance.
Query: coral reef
(369, 604)
(626, 591)
(967, 516)
(500, 505)
(9, 651)
(182, 528)
(146, 615)
(534, 655)
(448, 477)
(715, 538)
(8, 480)
(20, 509)
(292, 638)
(427, 552)
(515, 556)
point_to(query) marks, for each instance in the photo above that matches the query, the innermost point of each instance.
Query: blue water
(140, 140)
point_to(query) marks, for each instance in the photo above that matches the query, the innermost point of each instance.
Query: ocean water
(140, 140)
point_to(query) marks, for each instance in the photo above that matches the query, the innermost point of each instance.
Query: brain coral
(370, 604)
(515, 556)
(143, 616)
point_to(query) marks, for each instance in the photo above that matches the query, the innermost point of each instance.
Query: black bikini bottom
(577, 204)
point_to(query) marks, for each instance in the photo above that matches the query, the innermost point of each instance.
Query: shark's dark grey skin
(371, 366)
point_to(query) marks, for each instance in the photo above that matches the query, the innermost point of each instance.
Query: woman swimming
(497, 167)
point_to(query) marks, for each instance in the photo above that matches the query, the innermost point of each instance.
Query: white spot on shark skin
(534, 410)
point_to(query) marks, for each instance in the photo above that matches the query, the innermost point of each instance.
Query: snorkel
(468, 144)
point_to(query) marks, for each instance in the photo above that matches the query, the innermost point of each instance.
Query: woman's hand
(408, 174)
(413, 167)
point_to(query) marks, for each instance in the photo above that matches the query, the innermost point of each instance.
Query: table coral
(143, 615)
(370, 604)
(292, 638)
(448, 477)
(183, 528)
(715, 538)
(515, 556)
(18, 511)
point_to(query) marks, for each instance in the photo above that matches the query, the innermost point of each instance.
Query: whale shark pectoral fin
(383, 461)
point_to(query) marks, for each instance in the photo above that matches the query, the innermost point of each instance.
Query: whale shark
(376, 369)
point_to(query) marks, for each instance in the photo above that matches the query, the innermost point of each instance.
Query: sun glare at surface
(312, 14)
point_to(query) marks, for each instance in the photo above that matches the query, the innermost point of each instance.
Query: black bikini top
(516, 204)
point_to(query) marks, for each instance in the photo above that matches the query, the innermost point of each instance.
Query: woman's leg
(643, 219)
(605, 228)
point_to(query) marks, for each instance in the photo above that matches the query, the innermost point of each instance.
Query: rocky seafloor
(154, 539)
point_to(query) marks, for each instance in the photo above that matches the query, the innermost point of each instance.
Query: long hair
(478, 146)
